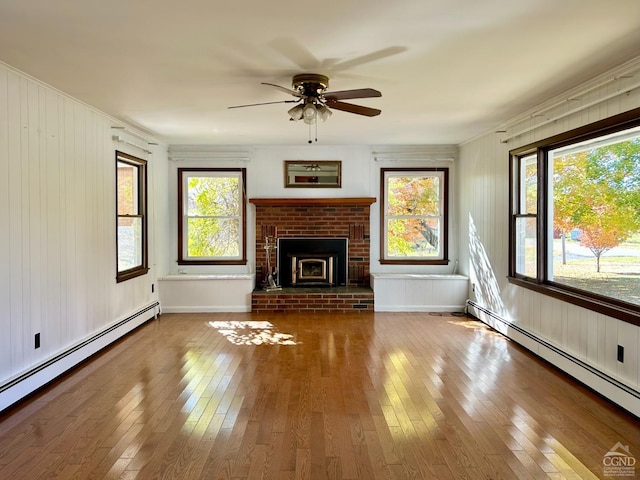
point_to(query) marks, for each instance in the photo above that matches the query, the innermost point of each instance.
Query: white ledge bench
(206, 293)
(419, 292)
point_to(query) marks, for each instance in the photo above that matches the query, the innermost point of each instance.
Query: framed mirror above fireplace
(312, 173)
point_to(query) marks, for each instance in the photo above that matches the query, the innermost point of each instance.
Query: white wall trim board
(602, 384)
(181, 153)
(40, 375)
(206, 309)
(418, 153)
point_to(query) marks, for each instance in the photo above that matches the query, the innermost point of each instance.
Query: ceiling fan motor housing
(310, 84)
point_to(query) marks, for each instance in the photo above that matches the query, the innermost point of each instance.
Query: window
(414, 216)
(526, 218)
(212, 206)
(575, 216)
(131, 195)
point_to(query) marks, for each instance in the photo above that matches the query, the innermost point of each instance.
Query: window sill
(207, 276)
(622, 311)
(414, 262)
(129, 274)
(212, 262)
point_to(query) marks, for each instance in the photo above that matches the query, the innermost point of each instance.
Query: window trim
(143, 268)
(181, 232)
(612, 307)
(445, 217)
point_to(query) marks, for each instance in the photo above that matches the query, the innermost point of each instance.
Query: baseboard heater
(75, 349)
(626, 389)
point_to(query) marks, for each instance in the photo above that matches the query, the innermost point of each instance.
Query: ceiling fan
(315, 102)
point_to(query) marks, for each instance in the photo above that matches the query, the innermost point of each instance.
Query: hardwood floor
(322, 396)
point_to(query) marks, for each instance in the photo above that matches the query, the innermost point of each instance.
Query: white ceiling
(448, 70)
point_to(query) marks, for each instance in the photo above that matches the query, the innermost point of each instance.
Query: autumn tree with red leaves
(598, 192)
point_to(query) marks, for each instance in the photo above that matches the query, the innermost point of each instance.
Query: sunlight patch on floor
(252, 332)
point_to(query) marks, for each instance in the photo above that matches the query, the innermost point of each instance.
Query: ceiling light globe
(309, 113)
(296, 112)
(324, 112)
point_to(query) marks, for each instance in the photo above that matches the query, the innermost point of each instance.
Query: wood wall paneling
(5, 221)
(57, 218)
(484, 183)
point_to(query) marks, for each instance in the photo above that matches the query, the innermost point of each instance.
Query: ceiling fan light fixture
(309, 113)
(313, 101)
(296, 113)
(324, 112)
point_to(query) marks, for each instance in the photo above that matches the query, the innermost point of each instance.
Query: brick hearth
(315, 217)
(339, 299)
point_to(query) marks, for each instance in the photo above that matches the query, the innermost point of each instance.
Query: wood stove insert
(312, 262)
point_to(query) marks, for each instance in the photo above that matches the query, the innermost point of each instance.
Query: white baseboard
(419, 308)
(41, 374)
(610, 388)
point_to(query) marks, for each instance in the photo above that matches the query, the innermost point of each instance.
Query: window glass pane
(414, 215)
(213, 237)
(596, 216)
(213, 196)
(413, 195)
(131, 251)
(129, 243)
(212, 203)
(526, 246)
(413, 237)
(528, 185)
(127, 189)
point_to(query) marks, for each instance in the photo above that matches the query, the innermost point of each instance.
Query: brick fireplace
(331, 218)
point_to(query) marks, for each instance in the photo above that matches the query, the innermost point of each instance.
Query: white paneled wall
(57, 225)
(419, 292)
(206, 293)
(590, 337)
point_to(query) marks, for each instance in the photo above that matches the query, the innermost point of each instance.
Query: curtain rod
(626, 90)
(119, 139)
(129, 132)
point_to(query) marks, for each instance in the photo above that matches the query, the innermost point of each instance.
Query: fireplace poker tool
(270, 284)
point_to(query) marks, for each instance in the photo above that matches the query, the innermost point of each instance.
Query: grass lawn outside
(619, 277)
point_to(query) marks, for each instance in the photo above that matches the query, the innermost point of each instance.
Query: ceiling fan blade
(292, 49)
(284, 89)
(264, 103)
(351, 108)
(370, 57)
(359, 93)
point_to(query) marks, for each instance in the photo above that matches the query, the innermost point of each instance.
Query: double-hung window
(131, 195)
(575, 216)
(414, 216)
(212, 211)
(525, 215)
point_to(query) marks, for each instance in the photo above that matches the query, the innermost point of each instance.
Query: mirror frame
(312, 181)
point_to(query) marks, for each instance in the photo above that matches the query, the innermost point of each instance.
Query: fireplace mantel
(314, 201)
